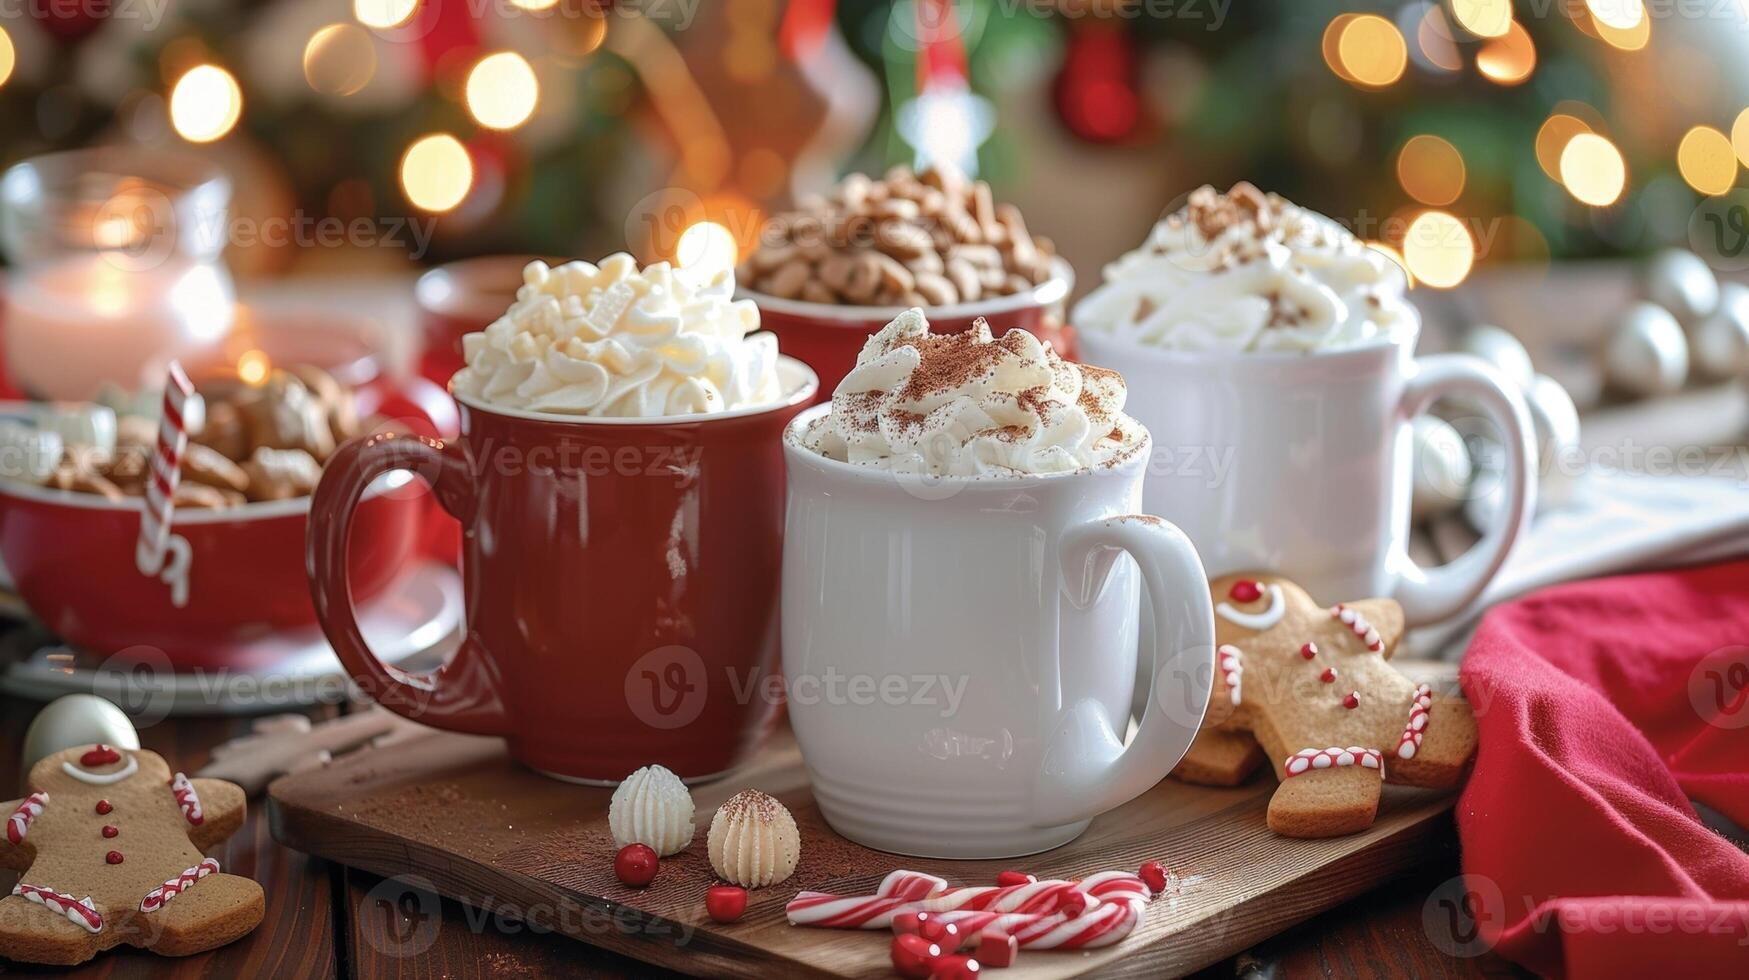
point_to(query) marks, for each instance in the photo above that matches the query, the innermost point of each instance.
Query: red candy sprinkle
(113, 857)
(104, 806)
(111, 831)
(944, 934)
(1009, 879)
(725, 903)
(1328, 676)
(102, 755)
(1352, 701)
(1245, 590)
(997, 949)
(955, 968)
(914, 956)
(635, 864)
(1309, 651)
(1153, 874)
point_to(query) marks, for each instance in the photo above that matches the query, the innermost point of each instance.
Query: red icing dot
(104, 806)
(1309, 651)
(101, 755)
(1245, 590)
(113, 857)
(111, 831)
(1352, 701)
(1328, 676)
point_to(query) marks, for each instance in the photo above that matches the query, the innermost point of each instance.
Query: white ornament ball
(1648, 355)
(1721, 341)
(75, 719)
(1557, 438)
(652, 807)
(753, 841)
(1681, 282)
(1442, 468)
(1501, 349)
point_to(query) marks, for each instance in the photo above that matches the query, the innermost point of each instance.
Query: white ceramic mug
(1299, 463)
(960, 653)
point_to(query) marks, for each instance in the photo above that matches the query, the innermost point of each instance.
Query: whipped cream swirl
(614, 340)
(1245, 271)
(967, 404)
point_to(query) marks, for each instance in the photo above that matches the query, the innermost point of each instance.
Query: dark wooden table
(326, 920)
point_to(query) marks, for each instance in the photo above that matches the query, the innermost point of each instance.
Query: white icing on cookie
(1232, 661)
(1256, 621)
(102, 778)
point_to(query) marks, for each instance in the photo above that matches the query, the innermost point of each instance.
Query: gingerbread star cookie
(109, 849)
(1308, 688)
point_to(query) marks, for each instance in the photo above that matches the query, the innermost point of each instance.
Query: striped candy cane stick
(183, 413)
(1038, 898)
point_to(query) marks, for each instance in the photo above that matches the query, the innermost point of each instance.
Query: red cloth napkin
(1603, 707)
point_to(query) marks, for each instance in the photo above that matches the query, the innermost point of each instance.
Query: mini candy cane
(1038, 898)
(182, 413)
(28, 810)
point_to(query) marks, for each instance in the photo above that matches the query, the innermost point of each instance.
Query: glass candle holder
(116, 267)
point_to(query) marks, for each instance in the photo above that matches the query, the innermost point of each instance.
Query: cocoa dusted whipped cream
(1248, 271)
(969, 404)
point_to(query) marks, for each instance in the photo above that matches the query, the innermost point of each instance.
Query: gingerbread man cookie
(109, 846)
(1307, 687)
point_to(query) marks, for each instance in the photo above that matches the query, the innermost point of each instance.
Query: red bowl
(71, 556)
(827, 338)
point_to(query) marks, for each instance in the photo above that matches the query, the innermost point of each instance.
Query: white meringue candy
(753, 840)
(652, 807)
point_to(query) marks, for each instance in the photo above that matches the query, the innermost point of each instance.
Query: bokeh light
(1593, 170)
(1433, 36)
(1552, 139)
(1740, 136)
(1707, 161)
(1396, 257)
(1439, 249)
(8, 57)
(1332, 42)
(205, 104)
(706, 248)
(1431, 170)
(340, 59)
(1508, 59)
(535, 5)
(502, 91)
(253, 366)
(1483, 18)
(384, 14)
(1372, 51)
(1622, 15)
(436, 173)
(1636, 35)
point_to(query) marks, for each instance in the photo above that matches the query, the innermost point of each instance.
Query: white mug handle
(1087, 770)
(1429, 595)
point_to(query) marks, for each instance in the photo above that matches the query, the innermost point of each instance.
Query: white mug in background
(960, 653)
(1299, 463)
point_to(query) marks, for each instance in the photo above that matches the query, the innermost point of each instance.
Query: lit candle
(74, 323)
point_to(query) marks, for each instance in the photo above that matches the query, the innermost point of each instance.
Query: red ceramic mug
(829, 337)
(622, 581)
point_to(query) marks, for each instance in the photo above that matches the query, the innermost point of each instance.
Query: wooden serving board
(452, 814)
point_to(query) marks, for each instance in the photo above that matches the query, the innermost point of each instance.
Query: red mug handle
(462, 695)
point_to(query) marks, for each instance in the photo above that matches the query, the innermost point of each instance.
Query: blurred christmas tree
(1560, 129)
